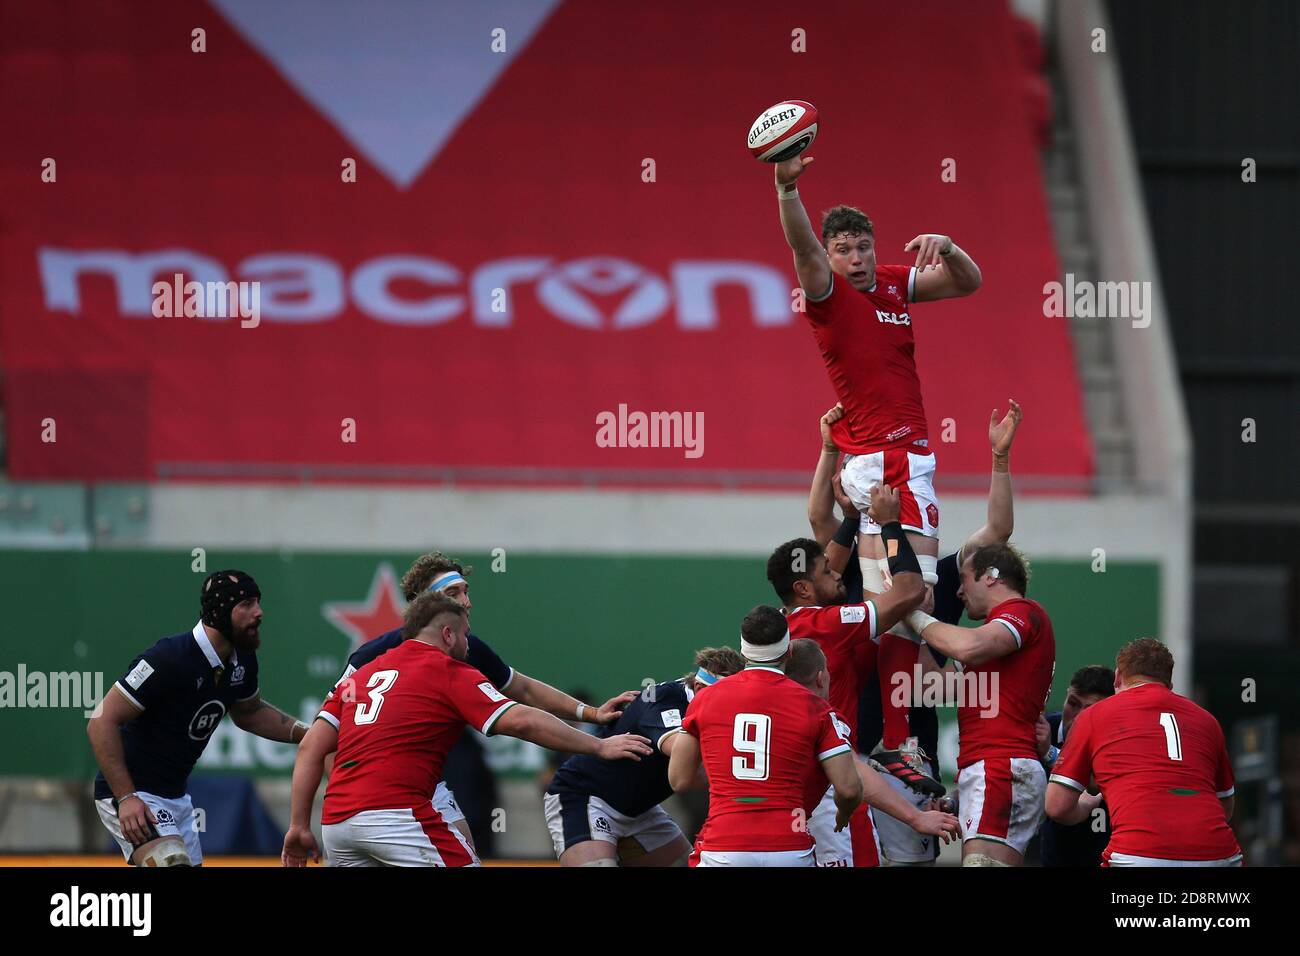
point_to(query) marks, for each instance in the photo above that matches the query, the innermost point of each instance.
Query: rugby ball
(783, 131)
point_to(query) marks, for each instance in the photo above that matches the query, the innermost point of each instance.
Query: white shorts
(1125, 859)
(1001, 799)
(753, 858)
(574, 818)
(899, 843)
(418, 837)
(175, 817)
(855, 845)
(444, 801)
(910, 469)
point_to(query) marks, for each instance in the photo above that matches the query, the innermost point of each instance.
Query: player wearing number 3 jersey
(763, 740)
(1161, 764)
(392, 724)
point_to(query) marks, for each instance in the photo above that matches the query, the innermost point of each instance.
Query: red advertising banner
(554, 225)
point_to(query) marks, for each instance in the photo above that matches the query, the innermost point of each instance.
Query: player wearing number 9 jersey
(1161, 764)
(763, 740)
(392, 724)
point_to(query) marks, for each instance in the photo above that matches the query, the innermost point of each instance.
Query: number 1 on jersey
(752, 735)
(1173, 740)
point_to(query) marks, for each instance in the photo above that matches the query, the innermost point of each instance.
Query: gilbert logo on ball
(783, 131)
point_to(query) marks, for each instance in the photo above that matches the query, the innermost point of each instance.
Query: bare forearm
(821, 498)
(270, 722)
(1001, 515)
(106, 742)
(307, 772)
(962, 269)
(950, 640)
(796, 225)
(546, 730)
(881, 796)
(539, 694)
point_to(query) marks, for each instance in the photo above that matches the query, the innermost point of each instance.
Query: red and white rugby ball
(783, 131)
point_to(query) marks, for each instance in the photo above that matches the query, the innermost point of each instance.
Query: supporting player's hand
(1043, 734)
(623, 747)
(830, 418)
(845, 503)
(612, 709)
(791, 169)
(884, 504)
(137, 821)
(927, 603)
(299, 847)
(938, 824)
(929, 247)
(1001, 433)
(842, 818)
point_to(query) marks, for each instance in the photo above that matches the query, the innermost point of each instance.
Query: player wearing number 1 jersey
(763, 740)
(393, 723)
(1161, 764)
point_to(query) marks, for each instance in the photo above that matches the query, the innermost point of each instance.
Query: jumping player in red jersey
(1006, 667)
(393, 723)
(860, 317)
(763, 740)
(856, 845)
(1161, 764)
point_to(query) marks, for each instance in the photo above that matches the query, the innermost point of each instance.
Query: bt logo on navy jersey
(893, 318)
(205, 720)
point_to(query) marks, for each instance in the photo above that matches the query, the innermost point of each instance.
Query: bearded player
(812, 597)
(1007, 665)
(392, 724)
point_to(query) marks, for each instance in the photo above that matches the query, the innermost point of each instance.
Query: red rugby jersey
(1162, 765)
(840, 631)
(1009, 692)
(762, 738)
(867, 344)
(398, 717)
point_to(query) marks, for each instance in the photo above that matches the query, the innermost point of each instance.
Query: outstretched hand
(790, 170)
(1002, 433)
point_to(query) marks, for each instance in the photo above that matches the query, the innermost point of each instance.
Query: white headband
(444, 580)
(763, 653)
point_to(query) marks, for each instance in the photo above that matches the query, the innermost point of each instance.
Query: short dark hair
(426, 609)
(1096, 680)
(806, 659)
(425, 569)
(1146, 657)
(1013, 567)
(763, 625)
(791, 562)
(848, 219)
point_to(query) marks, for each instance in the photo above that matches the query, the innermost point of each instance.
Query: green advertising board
(598, 623)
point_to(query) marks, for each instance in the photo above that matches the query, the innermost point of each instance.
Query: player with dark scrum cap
(156, 720)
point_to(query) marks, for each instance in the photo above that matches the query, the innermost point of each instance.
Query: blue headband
(445, 581)
(704, 677)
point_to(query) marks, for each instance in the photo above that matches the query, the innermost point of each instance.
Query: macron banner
(510, 241)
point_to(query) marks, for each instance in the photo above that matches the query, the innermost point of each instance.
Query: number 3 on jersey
(378, 685)
(751, 735)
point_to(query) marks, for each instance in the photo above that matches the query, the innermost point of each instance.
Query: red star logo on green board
(379, 612)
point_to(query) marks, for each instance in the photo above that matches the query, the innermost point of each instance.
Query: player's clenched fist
(624, 747)
(791, 169)
(884, 504)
